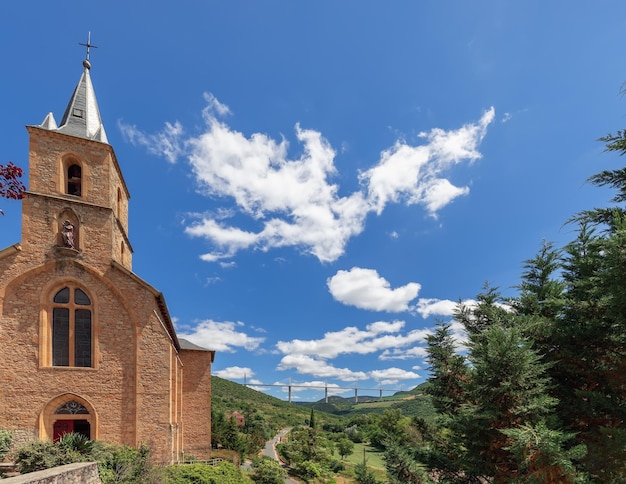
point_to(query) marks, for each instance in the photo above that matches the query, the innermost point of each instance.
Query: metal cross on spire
(88, 45)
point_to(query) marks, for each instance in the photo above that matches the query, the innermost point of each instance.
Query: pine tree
(448, 371)
(507, 390)
(541, 297)
(590, 344)
(402, 466)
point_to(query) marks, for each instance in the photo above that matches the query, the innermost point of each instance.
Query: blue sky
(315, 184)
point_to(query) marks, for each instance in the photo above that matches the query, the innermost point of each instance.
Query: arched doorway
(68, 413)
(67, 421)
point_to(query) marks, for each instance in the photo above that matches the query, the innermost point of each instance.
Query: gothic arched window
(71, 328)
(74, 180)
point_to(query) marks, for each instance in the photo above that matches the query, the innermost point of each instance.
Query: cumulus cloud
(389, 376)
(414, 174)
(222, 336)
(310, 357)
(333, 388)
(376, 337)
(435, 307)
(365, 289)
(320, 368)
(234, 373)
(293, 201)
(404, 353)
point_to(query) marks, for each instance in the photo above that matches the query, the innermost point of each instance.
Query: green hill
(228, 396)
(412, 403)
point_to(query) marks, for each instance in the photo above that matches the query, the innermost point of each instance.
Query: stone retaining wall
(79, 473)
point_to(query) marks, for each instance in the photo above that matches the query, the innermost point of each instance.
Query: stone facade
(86, 343)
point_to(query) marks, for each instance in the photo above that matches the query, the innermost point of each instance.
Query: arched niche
(68, 230)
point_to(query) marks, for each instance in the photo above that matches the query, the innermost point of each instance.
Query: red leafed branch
(10, 184)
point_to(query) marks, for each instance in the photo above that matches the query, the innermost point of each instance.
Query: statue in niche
(68, 234)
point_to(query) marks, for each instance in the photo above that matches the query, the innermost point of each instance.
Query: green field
(374, 456)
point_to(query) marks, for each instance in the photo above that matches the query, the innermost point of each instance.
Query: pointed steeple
(82, 117)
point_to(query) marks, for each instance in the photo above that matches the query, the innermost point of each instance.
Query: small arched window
(71, 328)
(74, 180)
(119, 203)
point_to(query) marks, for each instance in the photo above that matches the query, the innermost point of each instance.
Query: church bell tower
(77, 204)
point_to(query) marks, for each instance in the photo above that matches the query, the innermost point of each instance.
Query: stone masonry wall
(196, 394)
(80, 473)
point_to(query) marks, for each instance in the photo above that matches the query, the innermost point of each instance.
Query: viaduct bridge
(325, 387)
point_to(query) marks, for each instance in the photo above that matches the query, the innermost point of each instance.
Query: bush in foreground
(223, 473)
(268, 471)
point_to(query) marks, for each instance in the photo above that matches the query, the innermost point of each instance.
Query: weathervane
(89, 45)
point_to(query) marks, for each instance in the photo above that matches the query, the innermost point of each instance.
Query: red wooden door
(62, 427)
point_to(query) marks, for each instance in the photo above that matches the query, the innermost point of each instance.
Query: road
(270, 451)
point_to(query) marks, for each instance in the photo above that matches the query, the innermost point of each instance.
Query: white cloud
(413, 174)
(333, 388)
(322, 369)
(311, 366)
(221, 336)
(365, 289)
(377, 336)
(168, 143)
(390, 376)
(310, 356)
(403, 353)
(440, 193)
(214, 106)
(234, 373)
(293, 201)
(435, 307)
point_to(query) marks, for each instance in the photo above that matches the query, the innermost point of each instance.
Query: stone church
(86, 345)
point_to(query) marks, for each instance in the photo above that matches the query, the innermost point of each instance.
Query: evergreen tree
(590, 349)
(448, 371)
(363, 476)
(402, 465)
(507, 388)
(541, 297)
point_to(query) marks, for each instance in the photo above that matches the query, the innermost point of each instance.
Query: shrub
(74, 442)
(336, 466)
(117, 464)
(121, 463)
(223, 473)
(364, 476)
(38, 455)
(6, 437)
(268, 471)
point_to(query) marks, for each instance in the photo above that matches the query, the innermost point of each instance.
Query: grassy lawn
(374, 456)
(383, 404)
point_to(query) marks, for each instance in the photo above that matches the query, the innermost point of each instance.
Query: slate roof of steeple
(82, 116)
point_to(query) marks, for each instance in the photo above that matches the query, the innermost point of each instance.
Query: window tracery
(71, 328)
